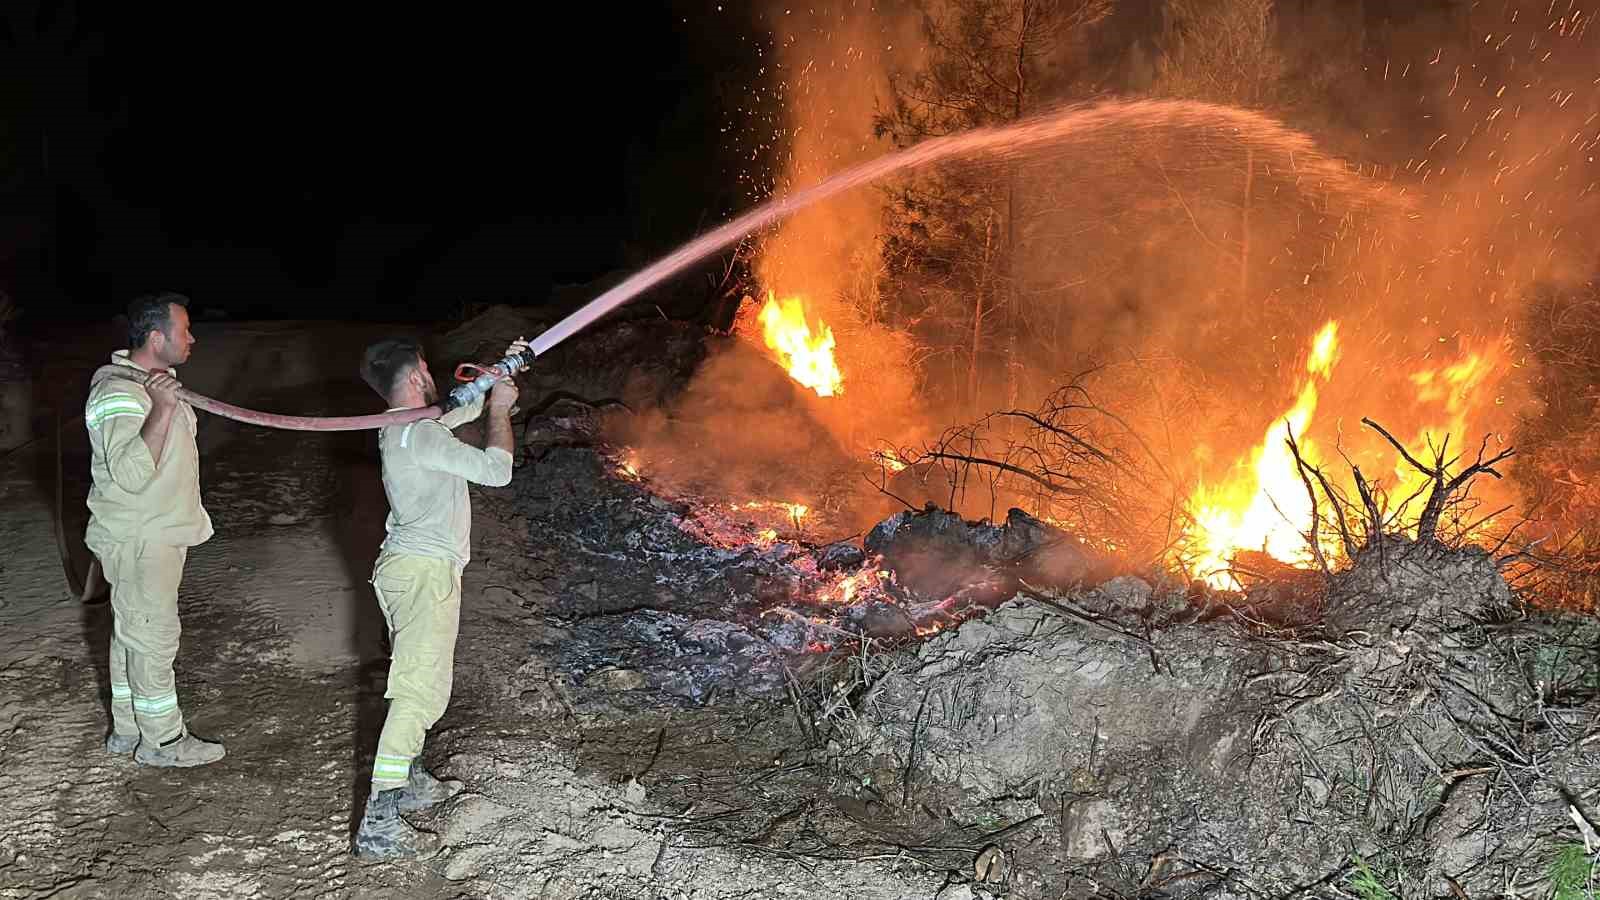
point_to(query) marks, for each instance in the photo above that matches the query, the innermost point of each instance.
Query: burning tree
(1237, 52)
(950, 236)
(1222, 50)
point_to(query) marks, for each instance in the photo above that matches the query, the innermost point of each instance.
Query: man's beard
(430, 395)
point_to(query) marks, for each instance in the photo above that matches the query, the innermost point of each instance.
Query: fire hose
(92, 583)
(463, 395)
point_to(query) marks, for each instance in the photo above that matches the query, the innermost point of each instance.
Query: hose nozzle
(467, 393)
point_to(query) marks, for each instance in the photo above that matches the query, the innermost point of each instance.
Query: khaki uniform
(143, 518)
(418, 573)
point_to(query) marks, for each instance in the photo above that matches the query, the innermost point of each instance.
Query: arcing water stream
(1056, 129)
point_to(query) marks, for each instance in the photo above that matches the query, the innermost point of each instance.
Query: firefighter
(417, 577)
(144, 515)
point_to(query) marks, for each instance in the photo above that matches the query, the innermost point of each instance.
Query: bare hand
(520, 345)
(163, 390)
(503, 395)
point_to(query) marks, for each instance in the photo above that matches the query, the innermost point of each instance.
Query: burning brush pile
(1370, 699)
(732, 535)
(669, 566)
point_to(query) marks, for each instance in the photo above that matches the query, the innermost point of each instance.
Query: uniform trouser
(421, 601)
(144, 581)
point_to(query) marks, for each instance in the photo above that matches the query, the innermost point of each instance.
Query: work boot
(121, 744)
(384, 835)
(181, 752)
(422, 790)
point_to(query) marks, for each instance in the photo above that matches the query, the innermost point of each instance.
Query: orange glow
(1450, 388)
(796, 511)
(851, 588)
(628, 466)
(807, 357)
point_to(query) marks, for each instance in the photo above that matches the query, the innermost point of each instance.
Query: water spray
(1001, 142)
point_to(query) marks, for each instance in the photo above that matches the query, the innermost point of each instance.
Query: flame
(628, 465)
(889, 460)
(1451, 387)
(1264, 505)
(809, 359)
(796, 511)
(851, 588)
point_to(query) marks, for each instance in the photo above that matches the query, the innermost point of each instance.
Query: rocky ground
(658, 696)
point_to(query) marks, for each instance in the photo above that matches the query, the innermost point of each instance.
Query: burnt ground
(658, 696)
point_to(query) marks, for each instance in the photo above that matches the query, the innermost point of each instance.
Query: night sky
(284, 162)
(299, 160)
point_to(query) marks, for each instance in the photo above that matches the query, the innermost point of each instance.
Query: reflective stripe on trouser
(144, 638)
(421, 601)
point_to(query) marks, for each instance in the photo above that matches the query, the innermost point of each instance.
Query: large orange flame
(1264, 505)
(808, 358)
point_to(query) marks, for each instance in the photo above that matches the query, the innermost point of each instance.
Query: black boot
(422, 790)
(384, 835)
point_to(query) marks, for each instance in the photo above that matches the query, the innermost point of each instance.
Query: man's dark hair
(150, 313)
(387, 362)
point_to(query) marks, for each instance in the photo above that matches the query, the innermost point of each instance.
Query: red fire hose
(90, 585)
(296, 423)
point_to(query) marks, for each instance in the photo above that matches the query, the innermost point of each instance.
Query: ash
(691, 598)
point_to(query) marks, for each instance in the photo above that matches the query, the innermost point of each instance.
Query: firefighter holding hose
(417, 576)
(144, 515)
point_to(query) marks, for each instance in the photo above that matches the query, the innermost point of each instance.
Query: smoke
(1185, 269)
(1210, 258)
(833, 64)
(833, 68)
(742, 428)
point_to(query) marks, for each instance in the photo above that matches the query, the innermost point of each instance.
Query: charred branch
(1313, 537)
(1446, 488)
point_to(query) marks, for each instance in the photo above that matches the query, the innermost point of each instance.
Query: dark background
(300, 161)
(278, 161)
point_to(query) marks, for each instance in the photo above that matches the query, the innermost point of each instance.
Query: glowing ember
(889, 460)
(1264, 505)
(808, 358)
(849, 589)
(795, 511)
(751, 522)
(628, 466)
